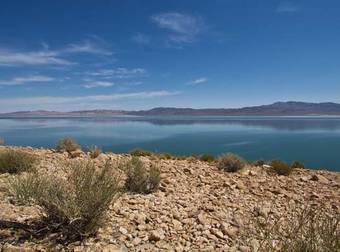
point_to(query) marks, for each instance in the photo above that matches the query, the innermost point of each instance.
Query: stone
(123, 230)
(320, 178)
(156, 235)
(201, 218)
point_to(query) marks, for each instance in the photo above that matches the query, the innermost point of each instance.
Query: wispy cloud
(96, 84)
(26, 79)
(141, 39)
(287, 7)
(46, 56)
(197, 81)
(43, 57)
(65, 103)
(183, 28)
(120, 73)
(86, 46)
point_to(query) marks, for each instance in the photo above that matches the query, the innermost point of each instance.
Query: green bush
(94, 151)
(280, 167)
(67, 144)
(16, 161)
(298, 164)
(207, 158)
(230, 163)
(2, 141)
(76, 203)
(140, 153)
(139, 178)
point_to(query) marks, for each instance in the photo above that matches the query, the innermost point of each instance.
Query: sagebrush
(17, 161)
(77, 202)
(67, 144)
(231, 163)
(207, 158)
(139, 178)
(140, 153)
(281, 168)
(94, 151)
(309, 229)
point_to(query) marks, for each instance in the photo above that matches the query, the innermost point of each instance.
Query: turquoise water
(313, 140)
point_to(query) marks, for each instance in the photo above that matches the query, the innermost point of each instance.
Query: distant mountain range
(276, 109)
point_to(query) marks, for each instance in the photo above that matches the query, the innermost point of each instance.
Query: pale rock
(156, 235)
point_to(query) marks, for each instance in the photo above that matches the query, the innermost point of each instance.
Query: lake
(313, 140)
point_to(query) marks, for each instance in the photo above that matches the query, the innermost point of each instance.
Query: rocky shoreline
(196, 208)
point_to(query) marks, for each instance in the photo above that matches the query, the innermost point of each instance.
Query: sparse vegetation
(94, 151)
(165, 155)
(139, 178)
(297, 164)
(259, 163)
(308, 229)
(230, 163)
(67, 144)
(74, 205)
(207, 158)
(140, 153)
(280, 167)
(16, 161)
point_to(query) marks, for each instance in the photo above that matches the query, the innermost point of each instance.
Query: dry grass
(298, 164)
(308, 229)
(281, 168)
(94, 151)
(140, 153)
(16, 161)
(139, 178)
(207, 158)
(76, 204)
(230, 163)
(67, 144)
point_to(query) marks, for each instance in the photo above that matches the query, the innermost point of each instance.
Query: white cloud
(198, 81)
(183, 28)
(120, 73)
(86, 46)
(67, 102)
(26, 79)
(98, 84)
(43, 57)
(46, 56)
(287, 7)
(141, 38)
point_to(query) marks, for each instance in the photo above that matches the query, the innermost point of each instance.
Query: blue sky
(71, 55)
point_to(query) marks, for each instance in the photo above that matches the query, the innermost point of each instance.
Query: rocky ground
(197, 207)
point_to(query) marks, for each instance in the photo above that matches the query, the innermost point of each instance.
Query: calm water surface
(313, 140)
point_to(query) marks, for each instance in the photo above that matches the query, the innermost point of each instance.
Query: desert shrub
(139, 178)
(67, 144)
(230, 163)
(140, 153)
(207, 158)
(2, 141)
(259, 163)
(16, 161)
(94, 151)
(297, 164)
(165, 155)
(309, 229)
(280, 167)
(76, 204)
